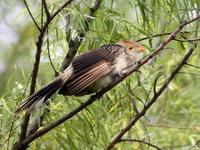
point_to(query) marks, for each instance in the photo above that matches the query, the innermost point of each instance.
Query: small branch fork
(117, 138)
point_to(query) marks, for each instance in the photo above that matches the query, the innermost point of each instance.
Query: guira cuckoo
(89, 72)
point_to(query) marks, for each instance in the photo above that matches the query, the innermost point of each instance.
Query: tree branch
(118, 136)
(31, 16)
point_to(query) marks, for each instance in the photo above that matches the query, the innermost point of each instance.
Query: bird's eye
(130, 48)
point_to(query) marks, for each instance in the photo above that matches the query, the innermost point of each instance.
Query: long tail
(40, 96)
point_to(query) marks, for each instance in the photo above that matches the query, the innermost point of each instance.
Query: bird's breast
(120, 63)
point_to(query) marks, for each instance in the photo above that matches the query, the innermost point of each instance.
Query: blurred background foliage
(172, 123)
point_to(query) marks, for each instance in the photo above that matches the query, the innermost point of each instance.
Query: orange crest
(131, 45)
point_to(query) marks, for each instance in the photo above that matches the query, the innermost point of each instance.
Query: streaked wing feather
(82, 82)
(105, 52)
(88, 79)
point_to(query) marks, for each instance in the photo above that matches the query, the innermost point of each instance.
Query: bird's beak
(141, 49)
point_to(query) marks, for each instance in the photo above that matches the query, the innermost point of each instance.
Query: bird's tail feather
(40, 96)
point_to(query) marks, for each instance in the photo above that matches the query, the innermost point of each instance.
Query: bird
(88, 73)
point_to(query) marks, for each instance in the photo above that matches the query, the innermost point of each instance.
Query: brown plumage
(88, 73)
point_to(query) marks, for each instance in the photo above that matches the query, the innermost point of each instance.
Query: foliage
(172, 123)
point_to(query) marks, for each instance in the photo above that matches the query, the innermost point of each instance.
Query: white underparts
(120, 63)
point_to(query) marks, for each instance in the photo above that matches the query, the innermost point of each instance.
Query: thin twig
(188, 40)
(48, 15)
(152, 36)
(49, 55)
(32, 16)
(193, 66)
(168, 33)
(10, 134)
(189, 73)
(195, 145)
(141, 141)
(119, 135)
(61, 8)
(155, 82)
(166, 125)
(134, 105)
(42, 15)
(158, 35)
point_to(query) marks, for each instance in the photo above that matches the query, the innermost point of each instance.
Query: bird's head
(132, 48)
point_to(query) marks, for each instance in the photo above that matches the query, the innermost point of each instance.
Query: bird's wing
(89, 67)
(77, 85)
